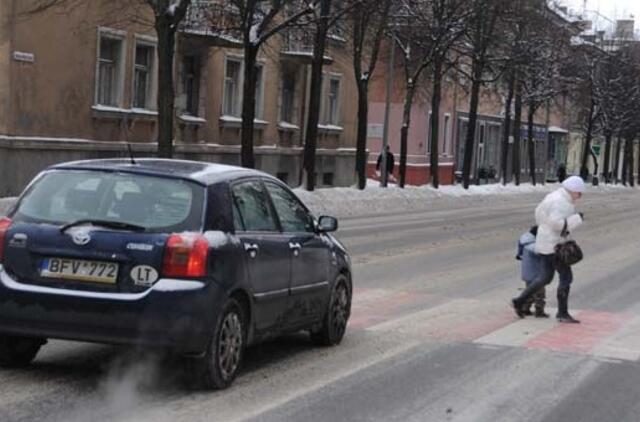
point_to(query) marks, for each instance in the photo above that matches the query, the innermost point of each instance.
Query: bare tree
(368, 22)
(168, 15)
(425, 31)
(322, 27)
(479, 43)
(257, 21)
(546, 51)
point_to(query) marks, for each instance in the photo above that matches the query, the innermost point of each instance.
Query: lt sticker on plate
(144, 275)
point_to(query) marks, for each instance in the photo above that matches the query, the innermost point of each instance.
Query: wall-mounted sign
(374, 130)
(21, 56)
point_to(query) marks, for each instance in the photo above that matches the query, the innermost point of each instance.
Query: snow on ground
(5, 203)
(344, 202)
(374, 200)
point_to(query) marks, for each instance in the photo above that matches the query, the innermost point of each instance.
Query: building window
(191, 80)
(327, 179)
(232, 104)
(333, 102)
(288, 96)
(259, 90)
(143, 72)
(110, 66)
(447, 135)
(429, 127)
(232, 88)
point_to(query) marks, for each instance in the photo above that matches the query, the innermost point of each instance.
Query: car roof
(202, 172)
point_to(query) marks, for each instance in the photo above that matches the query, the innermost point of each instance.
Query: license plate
(79, 269)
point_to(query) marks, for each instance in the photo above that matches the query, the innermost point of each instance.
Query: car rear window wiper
(104, 223)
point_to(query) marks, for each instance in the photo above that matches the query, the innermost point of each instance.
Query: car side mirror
(327, 224)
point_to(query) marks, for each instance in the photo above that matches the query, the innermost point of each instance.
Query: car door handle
(252, 248)
(295, 248)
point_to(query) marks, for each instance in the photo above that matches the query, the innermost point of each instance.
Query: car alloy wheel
(340, 310)
(334, 324)
(219, 364)
(230, 342)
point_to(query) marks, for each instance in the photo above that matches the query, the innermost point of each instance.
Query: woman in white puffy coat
(556, 210)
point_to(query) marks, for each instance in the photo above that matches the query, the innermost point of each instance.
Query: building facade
(88, 74)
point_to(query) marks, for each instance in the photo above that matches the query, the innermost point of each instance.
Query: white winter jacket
(551, 214)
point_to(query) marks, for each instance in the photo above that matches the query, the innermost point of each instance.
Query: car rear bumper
(174, 314)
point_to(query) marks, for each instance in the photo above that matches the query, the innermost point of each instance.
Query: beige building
(87, 73)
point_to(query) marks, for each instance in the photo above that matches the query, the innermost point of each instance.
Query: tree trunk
(639, 166)
(361, 140)
(630, 166)
(507, 129)
(625, 162)
(248, 105)
(530, 144)
(165, 101)
(607, 156)
(517, 124)
(436, 97)
(311, 136)
(404, 132)
(471, 129)
(616, 164)
(584, 170)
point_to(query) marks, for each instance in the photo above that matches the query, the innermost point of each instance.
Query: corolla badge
(81, 238)
(19, 240)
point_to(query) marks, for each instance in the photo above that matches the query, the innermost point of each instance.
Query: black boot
(539, 303)
(520, 301)
(540, 313)
(563, 306)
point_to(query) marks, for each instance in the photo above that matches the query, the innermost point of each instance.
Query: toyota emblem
(81, 238)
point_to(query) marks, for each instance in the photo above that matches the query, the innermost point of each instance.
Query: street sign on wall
(375, 130)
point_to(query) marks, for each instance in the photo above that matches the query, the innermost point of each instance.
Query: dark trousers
(548, 267)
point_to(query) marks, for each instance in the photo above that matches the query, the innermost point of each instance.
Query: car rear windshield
(156, 203)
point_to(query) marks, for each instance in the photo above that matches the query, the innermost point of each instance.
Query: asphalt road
(432, 337)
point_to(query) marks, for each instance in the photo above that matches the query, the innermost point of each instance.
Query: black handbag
(568, 252)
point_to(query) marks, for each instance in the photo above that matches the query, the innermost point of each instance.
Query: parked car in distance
(200, 259)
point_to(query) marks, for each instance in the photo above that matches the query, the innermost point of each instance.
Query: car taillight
(185, 255)
(4, 226)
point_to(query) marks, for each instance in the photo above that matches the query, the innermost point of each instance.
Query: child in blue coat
(530, 264)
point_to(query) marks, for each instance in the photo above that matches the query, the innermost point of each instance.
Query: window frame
(281, 112)
(194, 101)
(237, 103)
(265, 183)
(328, 118)
(276, 219)
(260, 87)
(119, 67)
(152, 72)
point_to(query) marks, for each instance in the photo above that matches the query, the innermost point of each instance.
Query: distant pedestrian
(555, 215)
(561, 173)
(529, 268)
(390, 163)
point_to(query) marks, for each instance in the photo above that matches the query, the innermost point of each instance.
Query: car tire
(334, 323)
(16, 352)
(219, 365)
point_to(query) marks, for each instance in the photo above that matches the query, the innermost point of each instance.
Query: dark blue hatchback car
(198, 258)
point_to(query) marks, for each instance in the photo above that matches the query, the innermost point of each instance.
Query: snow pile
(374, 200)
(5, 204)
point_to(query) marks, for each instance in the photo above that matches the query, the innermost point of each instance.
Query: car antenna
(131, 153)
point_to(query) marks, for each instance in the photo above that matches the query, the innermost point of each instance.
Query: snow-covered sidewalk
(374, 200)
(344, 202)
